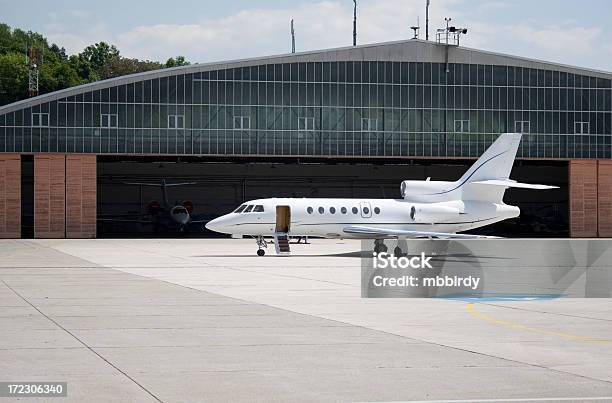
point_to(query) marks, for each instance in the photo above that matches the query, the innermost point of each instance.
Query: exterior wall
(381, 100)
(583, 198)
(80, 196)
(10, 196)
(49, 196)
(604, 198)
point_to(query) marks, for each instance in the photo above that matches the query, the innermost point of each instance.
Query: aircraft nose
(217, 225)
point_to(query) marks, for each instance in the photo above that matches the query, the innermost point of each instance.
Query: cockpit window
(248, 208)
(240, 208)
(179, 210)
(258, 209)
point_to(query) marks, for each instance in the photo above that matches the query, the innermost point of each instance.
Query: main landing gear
(261, 243)
(380, 247)
(397, 252)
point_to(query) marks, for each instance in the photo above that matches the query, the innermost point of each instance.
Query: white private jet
(427, 209)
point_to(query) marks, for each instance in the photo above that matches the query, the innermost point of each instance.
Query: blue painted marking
(494, 297)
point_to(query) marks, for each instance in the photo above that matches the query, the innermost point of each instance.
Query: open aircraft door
(281, 232)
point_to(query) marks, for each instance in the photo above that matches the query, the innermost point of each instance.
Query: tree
(13, 77)
(99, 54)
(59, 52)
(121, 66)
(177, 61)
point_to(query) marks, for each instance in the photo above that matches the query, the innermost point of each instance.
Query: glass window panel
(499, 75)
(147, 91)
(326, 71)
(404, 77)
(188, 85)
(302, 72)
(419, 73)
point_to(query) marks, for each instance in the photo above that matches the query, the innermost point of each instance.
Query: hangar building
(346, 122)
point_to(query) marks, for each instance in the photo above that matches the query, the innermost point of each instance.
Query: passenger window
(249, 208)
(321, 210)
(258, 209)
(309, 210)
(376, 210)
(343, 210)
(412, 212)
(240, 208)
(332, 210)
(355, 210)
(366, 211)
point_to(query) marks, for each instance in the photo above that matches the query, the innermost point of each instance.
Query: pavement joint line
(470, 308)
(556, 370)
(545, 312)
(84, 344)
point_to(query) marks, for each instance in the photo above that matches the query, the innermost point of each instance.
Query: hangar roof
(397, 51)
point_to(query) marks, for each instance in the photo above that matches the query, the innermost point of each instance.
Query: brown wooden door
(283, 218)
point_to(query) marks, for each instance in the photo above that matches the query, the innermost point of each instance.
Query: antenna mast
(292, 37)
(355, 23)
(33, 62)
(426, 20)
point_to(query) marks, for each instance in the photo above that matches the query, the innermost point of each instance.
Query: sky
(569, 32)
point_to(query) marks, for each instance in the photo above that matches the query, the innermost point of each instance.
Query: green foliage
(177, 61)
(57, 69)
(121, 66)
(13, 77)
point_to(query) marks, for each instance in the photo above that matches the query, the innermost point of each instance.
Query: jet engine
(415, 188)
(434, 213)
(188, 204)
(426, 191)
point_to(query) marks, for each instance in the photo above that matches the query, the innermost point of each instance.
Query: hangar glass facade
(361, 109)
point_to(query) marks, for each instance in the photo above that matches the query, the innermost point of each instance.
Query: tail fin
(489, 177)
(496, 162)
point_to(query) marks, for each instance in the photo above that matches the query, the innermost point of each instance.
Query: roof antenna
(292, 37)
(426, 20)
(415, 28)
(355, 23)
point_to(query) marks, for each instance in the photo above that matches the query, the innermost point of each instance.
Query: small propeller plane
(427, 209)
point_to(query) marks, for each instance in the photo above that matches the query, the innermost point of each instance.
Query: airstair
(281, 243)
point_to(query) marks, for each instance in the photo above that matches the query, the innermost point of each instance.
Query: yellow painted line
(471, 308)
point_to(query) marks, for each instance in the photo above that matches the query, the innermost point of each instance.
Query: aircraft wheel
(261, 252)
(383, 247)
(397, 251)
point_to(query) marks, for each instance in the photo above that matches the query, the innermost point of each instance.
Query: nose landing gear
(261, 243)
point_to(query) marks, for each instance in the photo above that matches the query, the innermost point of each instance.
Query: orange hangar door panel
(283, 219)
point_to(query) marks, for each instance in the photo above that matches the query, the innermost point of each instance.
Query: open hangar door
(131, 202)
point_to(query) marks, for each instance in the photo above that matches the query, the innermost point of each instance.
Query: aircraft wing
(398, 233)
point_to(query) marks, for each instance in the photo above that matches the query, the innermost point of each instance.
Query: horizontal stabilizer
(509, 183)
(398, 233)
